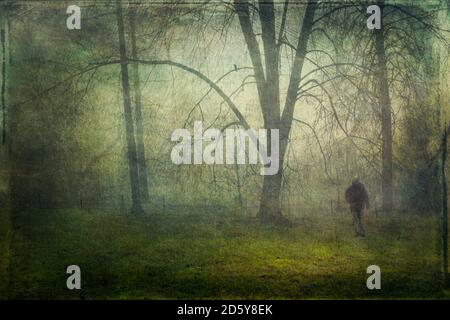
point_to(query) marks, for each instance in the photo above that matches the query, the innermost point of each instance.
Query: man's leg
(355, 221)
(362, 232)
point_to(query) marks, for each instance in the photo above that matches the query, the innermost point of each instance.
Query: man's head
(355, 180)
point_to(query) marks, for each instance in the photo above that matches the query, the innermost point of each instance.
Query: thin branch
(319, 144)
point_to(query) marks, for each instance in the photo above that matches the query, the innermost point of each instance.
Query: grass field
(168, 256)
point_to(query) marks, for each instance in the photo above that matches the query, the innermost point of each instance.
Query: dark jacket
(356, 195)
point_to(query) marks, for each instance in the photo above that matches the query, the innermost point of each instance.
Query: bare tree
(129, 126)
(267, 82)
(394, 52)
(386, 117)
(444, 207)
(3, 44)
(142, 167)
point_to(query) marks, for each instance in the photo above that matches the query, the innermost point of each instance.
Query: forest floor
(196, 256)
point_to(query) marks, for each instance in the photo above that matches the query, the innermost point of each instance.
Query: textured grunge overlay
(235, 149)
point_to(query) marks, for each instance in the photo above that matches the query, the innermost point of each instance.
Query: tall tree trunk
(270, 203)
(270, 207)
(142, 167)
(129, 127)
(3, 88)
(386, 118)
(444, 207)
(269, 94)
(5, 212)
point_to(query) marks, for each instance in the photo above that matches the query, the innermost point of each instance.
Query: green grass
(199, 256)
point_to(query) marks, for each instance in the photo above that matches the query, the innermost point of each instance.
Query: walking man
(357, 197)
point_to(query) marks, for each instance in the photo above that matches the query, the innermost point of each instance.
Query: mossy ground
(206, 256)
